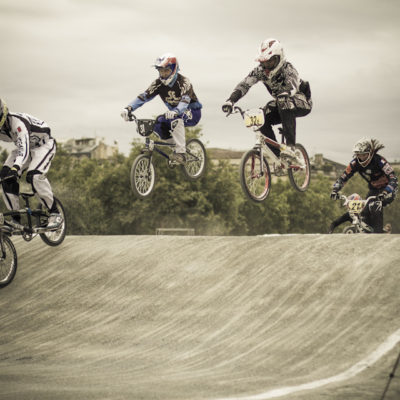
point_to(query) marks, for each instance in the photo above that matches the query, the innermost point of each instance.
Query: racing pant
(173, 130)
(373, 213)
(37, 166)
(277, 114)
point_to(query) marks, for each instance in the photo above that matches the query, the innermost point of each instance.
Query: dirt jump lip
(145, 317)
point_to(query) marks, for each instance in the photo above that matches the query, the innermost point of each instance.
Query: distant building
(93, 148)
(321, 165)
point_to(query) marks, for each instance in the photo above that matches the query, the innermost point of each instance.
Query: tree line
(98, 200)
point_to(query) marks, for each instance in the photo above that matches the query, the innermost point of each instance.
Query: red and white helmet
(271, 55)
(354, 196)
(167, 60)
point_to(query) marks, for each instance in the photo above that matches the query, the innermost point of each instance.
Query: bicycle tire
(142, 177)
(350, 229)
(300, 178)
(256, 186)
(7, 272)
(56, 237)
(196, 160)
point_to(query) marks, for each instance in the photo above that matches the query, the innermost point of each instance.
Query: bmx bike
(143, 175)
(355, 208)
(36, 224)
(255, 170)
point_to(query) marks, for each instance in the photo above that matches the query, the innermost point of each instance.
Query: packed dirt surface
(165, 317)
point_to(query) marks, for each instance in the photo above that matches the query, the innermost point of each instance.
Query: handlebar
(235, 110)
(367, 200)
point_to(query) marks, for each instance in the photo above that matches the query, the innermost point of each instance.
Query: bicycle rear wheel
(143, 176)
(8, 262)
(57, 236)
(255, 176)
(300, 172)
(195, 164)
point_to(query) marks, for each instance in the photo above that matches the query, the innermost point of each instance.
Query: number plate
(356, 206)
(254, 118)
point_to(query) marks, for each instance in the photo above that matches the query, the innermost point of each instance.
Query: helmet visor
(363, 158)
(271, 63)
(164, 72)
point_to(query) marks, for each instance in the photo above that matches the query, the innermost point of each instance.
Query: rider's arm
(22, 142)
(346, 175)
(146, 96)
(182, 105)
(291, 83)
(392, 184)
(244, 86)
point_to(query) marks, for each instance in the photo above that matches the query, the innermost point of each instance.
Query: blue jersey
(178, 96)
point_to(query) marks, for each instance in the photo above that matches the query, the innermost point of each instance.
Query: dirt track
(161, 317)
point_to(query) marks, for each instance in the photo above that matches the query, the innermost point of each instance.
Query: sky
(77, 63)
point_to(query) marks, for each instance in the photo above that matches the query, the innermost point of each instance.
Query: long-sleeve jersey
(25, 132)
(378, 173)
(286, 81)
(177, 97)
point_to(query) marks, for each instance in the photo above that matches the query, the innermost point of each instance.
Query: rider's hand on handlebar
(227, 107)
(383, 196)
(335, 195)
(10, 173)
(170, 114)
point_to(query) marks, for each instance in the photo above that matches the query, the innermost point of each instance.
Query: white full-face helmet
(271, 55)
(168, 67)
(364, 150)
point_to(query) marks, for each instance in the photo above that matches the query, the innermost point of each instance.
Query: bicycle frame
(151, 145)
(355, 208)
(262, 145)
(28, 229)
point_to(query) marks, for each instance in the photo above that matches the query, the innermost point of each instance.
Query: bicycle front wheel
(300, 172)
(143, 176)
(57, 236)
(8, 261)
(255, 176)
(195, 164)
(350, 229)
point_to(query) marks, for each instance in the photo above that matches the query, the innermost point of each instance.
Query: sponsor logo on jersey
(171, 98)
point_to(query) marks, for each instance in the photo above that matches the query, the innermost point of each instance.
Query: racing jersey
(378, 173)
(177, 97)
(285, 81)
(26, 132)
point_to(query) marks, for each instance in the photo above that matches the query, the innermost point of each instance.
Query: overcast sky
(77, 63)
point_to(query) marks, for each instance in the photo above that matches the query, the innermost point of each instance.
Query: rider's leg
(271, 118)
(338, 221)
(37, 170)
(289, 110)
(191, 117)
(162, 127)
(10, 187)
(178, 133)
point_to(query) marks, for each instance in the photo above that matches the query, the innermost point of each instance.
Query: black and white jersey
(26, 132)
(285, 81)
